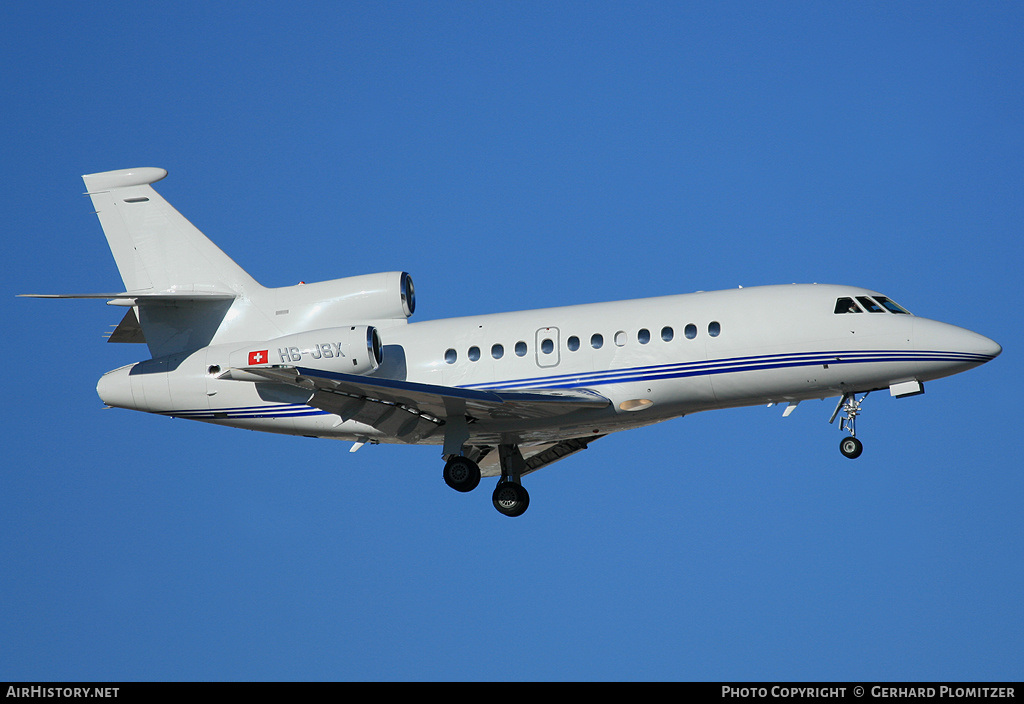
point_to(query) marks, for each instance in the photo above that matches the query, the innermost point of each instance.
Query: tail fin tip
(123, 178)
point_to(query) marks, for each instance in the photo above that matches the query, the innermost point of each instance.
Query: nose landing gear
(851, 447)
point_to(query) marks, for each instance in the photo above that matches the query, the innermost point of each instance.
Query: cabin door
(547, 349)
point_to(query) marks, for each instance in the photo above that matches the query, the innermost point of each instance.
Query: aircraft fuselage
(654, 358)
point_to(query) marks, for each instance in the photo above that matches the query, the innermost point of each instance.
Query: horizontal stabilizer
(138, 298)
(176, 321)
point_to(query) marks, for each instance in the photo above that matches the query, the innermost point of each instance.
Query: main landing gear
(510, 497)
(850, 447)
(461, 473)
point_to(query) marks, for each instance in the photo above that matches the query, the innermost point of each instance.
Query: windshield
(872, 304)
(892, 306)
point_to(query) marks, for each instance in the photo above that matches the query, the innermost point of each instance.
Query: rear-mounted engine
(376, 299)
(354, 349)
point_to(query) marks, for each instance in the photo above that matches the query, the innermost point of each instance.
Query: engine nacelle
(352, 349)
(371, 298)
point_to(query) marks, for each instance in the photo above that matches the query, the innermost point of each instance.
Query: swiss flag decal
(259, 357)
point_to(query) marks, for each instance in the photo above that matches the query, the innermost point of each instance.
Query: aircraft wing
(412, 411)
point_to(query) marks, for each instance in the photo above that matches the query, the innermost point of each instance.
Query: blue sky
(519, 155)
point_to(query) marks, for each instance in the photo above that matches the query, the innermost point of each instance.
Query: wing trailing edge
(415, 408)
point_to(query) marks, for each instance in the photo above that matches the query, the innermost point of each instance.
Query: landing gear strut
(850, 447)
(510, 496)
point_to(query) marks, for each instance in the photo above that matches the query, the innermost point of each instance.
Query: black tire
(461, 474)
(510, 499)
(851, 447)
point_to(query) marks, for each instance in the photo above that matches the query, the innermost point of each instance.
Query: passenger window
(620, 338)
(667, 334)
(497, 351)
(520, 349)
(573, 343)
(644, 336)
(597, 340)
(547, 346)
(450, 356)
(846, 305)
(690, 331)
(474, 354)
(714, 329)
(871, 306)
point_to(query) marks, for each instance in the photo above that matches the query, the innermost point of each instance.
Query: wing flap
(442, 401)
(537, 456)
(400, 421)
(410, 409)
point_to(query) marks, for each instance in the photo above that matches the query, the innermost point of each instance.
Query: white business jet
(503, 395)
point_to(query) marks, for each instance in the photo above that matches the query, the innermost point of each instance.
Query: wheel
(510, 499)
(851, 447)
(461, 474)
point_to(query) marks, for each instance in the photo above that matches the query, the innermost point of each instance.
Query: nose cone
(951, 349)
(115, 388)
(972, 344)
(990, 348)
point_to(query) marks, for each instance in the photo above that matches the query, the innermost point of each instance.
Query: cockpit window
(892, 306)
(871, 306)
(874, 304)
(847, 305)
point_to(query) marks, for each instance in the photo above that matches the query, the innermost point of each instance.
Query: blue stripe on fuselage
(729, 365)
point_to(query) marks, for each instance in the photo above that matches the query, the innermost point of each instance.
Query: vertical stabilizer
(156, 249)
(184, 283)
